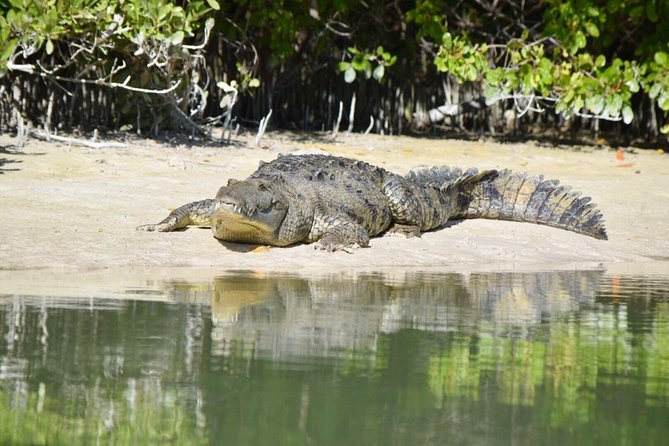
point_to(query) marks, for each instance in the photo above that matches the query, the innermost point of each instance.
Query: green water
(576, 357)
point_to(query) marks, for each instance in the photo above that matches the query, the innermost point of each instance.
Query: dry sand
(69, 213)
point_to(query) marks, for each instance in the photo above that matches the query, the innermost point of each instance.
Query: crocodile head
(250, 211)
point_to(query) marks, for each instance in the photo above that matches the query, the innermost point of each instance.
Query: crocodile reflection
(292, 318)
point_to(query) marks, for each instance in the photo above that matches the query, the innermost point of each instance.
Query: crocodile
(339, 203)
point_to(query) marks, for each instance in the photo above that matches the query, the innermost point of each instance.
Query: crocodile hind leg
(409, 231)
(197, 213)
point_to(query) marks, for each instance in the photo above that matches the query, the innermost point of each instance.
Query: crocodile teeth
(236, 208)
(239, 209)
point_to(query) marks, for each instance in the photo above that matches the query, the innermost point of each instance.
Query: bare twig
(49, 111)
(351, 115)
(533, 99)
(371, 124)
(331, 26)
(335, 129)
(228, 116)
(516, 96)
(22, 129)
(29, 68)
(528, 107)
(604, 117)
(262, 127)
(76, 141)
(207, 30)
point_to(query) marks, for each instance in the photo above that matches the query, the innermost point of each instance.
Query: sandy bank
(66, 209)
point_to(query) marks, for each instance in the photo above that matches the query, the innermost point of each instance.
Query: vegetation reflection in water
(556, 357)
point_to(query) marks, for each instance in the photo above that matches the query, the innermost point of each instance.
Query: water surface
(576, 357)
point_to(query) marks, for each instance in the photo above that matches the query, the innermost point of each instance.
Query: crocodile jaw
(235, 223)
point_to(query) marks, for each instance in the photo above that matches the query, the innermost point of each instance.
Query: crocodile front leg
(341, 234)
(197, 213)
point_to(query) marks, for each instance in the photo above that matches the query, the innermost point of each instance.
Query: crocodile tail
(516, 196)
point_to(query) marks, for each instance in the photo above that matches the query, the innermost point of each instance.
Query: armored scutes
(340, 203)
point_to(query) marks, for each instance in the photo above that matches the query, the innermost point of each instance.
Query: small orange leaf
(620, 155)
(261, 248)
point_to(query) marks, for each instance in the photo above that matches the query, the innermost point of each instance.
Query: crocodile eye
(261, 186)
(277, 204)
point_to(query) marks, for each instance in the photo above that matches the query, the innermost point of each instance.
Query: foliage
(141, 48)
(371, 64)
(458, 57)
(144, 27)
(560, 67)
(606, 59)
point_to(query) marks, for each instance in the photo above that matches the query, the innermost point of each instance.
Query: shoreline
(68, 209)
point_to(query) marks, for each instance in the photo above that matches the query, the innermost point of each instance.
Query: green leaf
(592, 11)
(614, 104)
(560, 107)
(569, 96)
(493, 77)
(177, 38)
(663, 102)
(580, 40)
(595, 104)
(592, 29)
(166, 9)
(349, 75)
(343, 66)
(447, 40)
(636, 12)
(665, 129)
(378, 72)
(662, 59)
(9, 49)
(358, 63)
(471, 73)
(491, 93)
(600, 61)
(254, 83)
(655, 90)
(633, 85)
(213, 4)
(628, 114)
(49, 47)
(227, 88)
(368, 69)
